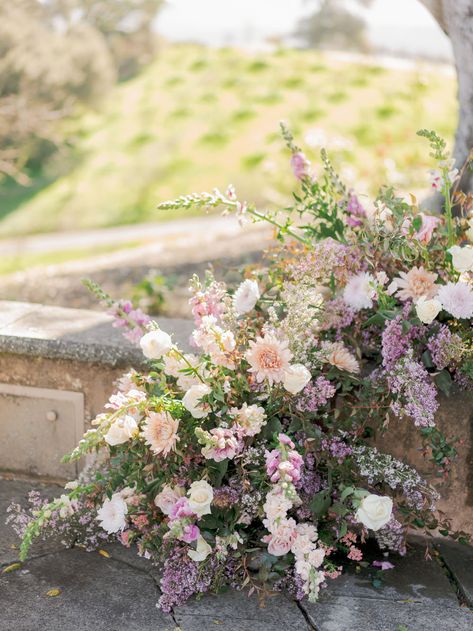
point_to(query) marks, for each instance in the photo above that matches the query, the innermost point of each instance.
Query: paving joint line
(462, 597)
(306, 616)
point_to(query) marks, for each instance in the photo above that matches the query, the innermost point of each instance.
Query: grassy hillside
(199, 118)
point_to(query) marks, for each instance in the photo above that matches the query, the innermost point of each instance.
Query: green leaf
(348, 490)
(443, 381)
(217, 471)
(321, 503)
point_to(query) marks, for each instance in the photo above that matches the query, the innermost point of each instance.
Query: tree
(334, 25)
(456, 19)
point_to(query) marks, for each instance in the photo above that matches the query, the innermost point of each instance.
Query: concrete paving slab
(96, 594)
(373, 614)
(235, 611)
(459, 561)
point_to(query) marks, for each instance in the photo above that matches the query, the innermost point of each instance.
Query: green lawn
(199, 118)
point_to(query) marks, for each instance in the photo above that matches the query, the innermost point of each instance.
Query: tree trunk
(456, 19)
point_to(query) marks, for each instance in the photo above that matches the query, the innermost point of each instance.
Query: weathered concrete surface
(119, 594)
(455, 419)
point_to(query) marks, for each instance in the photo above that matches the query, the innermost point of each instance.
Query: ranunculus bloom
(160, 432)
(121, 430)
(269, 358)
(200, 497)
(296, 378)
(360, 291)
(250, 418)
(428, 310)
(224, 444)
(457, 299)
(192, 400)
(201, 552)
(416, 283)
(167, 498)
(112, 514)
(462, 258)
(375, 511)
(155, 344)
(246, 296)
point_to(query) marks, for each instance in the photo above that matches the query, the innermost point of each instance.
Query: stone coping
(36, 330)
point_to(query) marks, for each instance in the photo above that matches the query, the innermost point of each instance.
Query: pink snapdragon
(300, 165)
(181, 509)
(207, 301)
(221, 443)
(355, 210)
(190, 533)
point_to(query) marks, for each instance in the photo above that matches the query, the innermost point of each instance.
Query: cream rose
(375, 511)
(246, 296)
(168, 496)
(428, 310)
(201, 552)
(200, 497)
(192, 400)
(296, 378)
(462, 258)
(121, 431)
(155, 344)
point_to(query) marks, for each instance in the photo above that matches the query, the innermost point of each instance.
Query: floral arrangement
(251, 461)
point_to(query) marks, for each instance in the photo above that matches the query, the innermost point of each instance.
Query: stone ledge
(36, 330)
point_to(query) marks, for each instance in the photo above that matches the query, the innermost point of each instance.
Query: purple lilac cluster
(292, 583)
(315, 395)
(394, 343)
(127, 317)
(309, 484)
(226, 496)
(182, 578)
(337, 448)
(445, 347)
(416, 394)
(329, 257)
(462, 380)
(392, 537)
(337, 315)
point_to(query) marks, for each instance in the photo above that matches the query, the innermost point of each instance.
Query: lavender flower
(315, 395)
(445, 348)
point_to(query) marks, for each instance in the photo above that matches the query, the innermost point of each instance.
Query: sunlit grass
(201, 118)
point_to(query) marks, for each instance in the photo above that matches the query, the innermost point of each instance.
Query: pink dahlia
(160, 432)
(457, 299)
(416, 283)
(269, 359)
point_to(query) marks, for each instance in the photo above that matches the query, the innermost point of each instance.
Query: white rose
(428, 310)
(462, 258)
(168, 496)
(201, 552)
(375, 511)
(112, 514)
(155, 344)
(200, 497)
(192, 400)
(296, 378)
(121, 430)
(246, 296)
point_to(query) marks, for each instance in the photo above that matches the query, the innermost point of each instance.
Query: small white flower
(112, 514)
(192, 400)
(246, 296)
(201, 552)
(462, 258)
(121, 430)
(428, 310)
(296, 378)
(200, 496)
(375, 511)
(155, 344)
(66, 509)
(392, 288)
(469, 232)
